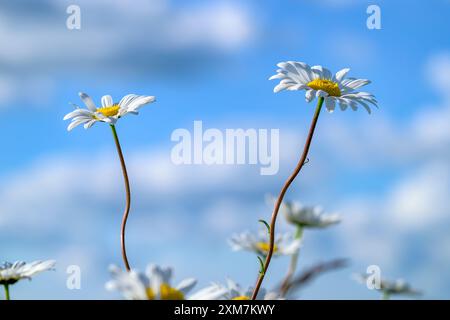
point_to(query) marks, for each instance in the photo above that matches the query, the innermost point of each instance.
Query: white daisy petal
(302, 70)
(321, 93)
(126, 100)
(317, 72)
(307, 73)
(76, 122)
(365, 105)
(156, 276)
(136, 103)
(213, 292)
(277, 76)
(354, 83)
(129, 284)
(293, 76)
(77, 113)
(330, 104)
(186, 285)
(297, 87)
(107, 101)
(307, 216)
(88, 101)
(280, 87)
(326, 74)
(309, 95)
(292, 248)
(342, 104)
(89, 124)
(341, 74)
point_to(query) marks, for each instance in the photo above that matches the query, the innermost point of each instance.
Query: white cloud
(421, 199)
(438, 73)
(147, 37)
(222, 25)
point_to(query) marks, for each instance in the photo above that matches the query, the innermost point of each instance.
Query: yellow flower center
(330, 87)
(264, 247)
(109, 111)
(241, 298)
(166, 293)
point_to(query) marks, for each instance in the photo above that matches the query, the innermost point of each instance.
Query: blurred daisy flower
(318, 81)
(154, 284)
(233, 291)
(285, 244)
(398, 287)
(308, 216)
(10, 273)
(109, 112)
(388, 288)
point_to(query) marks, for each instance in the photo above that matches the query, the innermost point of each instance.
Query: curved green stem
(127, 198)
(283, 192)
(292, 265)
(7, 296)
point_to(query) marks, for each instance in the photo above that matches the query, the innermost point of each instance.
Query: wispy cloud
(117, 37)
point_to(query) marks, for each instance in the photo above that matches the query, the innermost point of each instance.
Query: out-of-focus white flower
(308, 216)
(397, 287)
(233, 291)
(10, 273)
(285, 244)
(109, 112)
(154, 284)
(318, 81)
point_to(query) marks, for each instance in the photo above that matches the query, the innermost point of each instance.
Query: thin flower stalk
(7, 296)
(127, 198)
(292, 265)
(286, 186)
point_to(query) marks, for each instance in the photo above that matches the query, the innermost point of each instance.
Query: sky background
(387, 174)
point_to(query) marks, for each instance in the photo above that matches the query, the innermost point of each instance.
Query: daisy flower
(330, 89)
(398, 286)
(318, 81)
(302, 217)
(154, 284)
(109, 112)
(259, 243)
(233, 291)
(10, 273)
(388, 288)
(308, 216)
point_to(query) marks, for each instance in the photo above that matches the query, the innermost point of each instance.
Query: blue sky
(388, 173)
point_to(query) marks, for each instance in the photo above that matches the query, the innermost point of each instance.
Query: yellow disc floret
(166, 292)
(109, 111)
(150, 294)
(264, 246)
(241, 298)
(330, 87)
